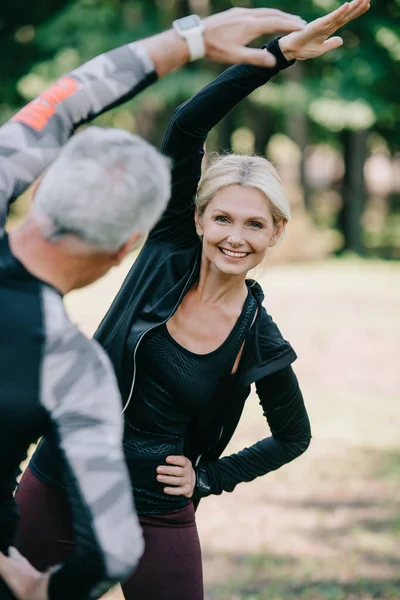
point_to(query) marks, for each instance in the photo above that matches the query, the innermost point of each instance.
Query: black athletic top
(54, 380)
(173, 387)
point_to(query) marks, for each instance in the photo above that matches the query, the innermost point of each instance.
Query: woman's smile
(233, 254)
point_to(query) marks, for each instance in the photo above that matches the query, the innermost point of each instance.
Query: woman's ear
(279, 229)
(198, 223)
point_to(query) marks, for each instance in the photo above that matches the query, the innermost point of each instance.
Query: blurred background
(326, 527)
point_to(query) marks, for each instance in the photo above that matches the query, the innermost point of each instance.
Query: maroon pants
(170, 568)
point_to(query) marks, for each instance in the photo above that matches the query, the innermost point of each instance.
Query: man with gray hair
(96, 201)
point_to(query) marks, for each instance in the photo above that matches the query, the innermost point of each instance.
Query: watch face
(189, 22)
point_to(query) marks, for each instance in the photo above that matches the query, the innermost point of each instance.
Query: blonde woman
(188, 334)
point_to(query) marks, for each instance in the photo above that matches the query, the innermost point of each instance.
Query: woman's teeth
(234, 254)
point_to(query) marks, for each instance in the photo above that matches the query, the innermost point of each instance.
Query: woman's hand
(180, 474)
(312, 40)
(25, 582)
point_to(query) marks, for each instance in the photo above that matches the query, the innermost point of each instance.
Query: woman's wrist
(283, 61)
(40, 589)
(287, 51)
(202, 486)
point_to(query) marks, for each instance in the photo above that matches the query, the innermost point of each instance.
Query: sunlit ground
(326, 527)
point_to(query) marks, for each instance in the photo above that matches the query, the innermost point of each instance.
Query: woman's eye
(256, 224)
(221, 219)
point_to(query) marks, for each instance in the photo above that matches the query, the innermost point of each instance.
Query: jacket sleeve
(32, 139)
(80, 394)
(187, 133)
(283, 407)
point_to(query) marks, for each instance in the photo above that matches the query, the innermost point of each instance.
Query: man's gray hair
(105, 185)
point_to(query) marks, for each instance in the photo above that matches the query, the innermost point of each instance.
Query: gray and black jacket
(53, 380)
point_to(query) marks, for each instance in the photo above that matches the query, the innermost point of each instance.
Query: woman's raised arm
(187, 133)
(191, 122)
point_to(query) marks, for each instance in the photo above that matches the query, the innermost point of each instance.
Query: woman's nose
(235, 239)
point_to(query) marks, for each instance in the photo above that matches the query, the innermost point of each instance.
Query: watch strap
(193, 35)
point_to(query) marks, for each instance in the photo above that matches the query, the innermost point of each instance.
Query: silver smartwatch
(191, 30)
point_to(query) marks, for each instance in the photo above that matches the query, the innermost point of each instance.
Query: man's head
(105, 190)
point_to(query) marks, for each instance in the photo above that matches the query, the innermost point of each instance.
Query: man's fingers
(274, 24)
(270, 13)
(251, 56)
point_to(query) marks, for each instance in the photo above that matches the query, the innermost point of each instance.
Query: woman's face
(237, 229)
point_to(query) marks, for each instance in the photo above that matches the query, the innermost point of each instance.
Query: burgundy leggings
(170, 568)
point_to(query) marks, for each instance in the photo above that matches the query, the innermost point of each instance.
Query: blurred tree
(18, 22)
(348, 91)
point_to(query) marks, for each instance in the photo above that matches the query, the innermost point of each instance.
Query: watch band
(191, 30)
(202, 487)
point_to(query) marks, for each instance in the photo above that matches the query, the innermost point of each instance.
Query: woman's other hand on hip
(178, 475)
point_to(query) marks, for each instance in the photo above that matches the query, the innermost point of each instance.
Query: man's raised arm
(31, 140)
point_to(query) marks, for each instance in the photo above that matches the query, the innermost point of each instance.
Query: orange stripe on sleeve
(37, 113)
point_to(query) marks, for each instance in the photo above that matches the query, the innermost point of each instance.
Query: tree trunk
(355, 149)
(263, 126)
(225, 130)
(297, 130)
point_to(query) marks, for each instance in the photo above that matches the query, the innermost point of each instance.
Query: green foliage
(353, 87)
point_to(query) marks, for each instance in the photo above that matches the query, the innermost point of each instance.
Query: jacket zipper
(209, 447)
(149, 329)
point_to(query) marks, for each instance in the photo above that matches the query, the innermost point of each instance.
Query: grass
(327, 526)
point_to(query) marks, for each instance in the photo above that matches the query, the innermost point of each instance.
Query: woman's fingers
(184, 490)
(253, 56)
(165, 470)
(17, 556)
(172, 480)
(180, 461)
(358, 10)
(180, 474)
(176, 491)
(335, 18)
(332, 43)
(346, 13)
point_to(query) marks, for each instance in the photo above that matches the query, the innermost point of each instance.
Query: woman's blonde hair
(251, 171)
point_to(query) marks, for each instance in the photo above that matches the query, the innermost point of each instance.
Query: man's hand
(312, 41)
(180, 475)
(227, 34)
(25, 582)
